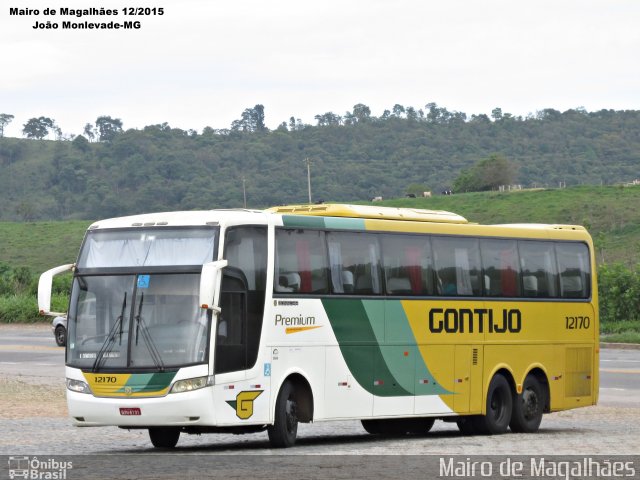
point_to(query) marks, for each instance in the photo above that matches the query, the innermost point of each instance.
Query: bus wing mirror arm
(45, 285)
(210, 284)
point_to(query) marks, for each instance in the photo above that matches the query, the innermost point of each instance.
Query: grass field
(40, 245)
(612, 215)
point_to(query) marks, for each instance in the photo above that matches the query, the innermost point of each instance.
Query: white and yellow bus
(242, 321)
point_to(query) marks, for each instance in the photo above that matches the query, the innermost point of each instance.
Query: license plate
(130, 411)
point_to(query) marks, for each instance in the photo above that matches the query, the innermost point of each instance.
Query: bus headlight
(191, 384)
(77, 386)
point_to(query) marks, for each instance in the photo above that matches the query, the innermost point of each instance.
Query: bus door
(241, 380)
(467, 378)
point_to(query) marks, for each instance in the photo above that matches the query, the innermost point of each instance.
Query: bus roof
(371, 212)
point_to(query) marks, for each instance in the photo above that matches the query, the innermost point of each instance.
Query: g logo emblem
(243, 404)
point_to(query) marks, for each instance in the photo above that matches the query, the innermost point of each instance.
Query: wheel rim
(60, 335)
(530, 404)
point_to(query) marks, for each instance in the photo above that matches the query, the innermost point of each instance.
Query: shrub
(619, 293)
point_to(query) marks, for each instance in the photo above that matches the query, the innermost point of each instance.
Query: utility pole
(244, 191)
(308, 160)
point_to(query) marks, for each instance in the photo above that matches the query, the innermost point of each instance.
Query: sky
(204, 61)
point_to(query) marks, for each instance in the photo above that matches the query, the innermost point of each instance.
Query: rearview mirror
(209, 283)
(44, 289)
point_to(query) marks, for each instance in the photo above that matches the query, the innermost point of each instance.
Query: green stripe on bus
(360, 348)
(301, 221)
(149, 382)
(399, 332)
(338, 223)
(345, 223)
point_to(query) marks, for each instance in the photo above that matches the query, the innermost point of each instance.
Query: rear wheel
(499, 408)
(61, 336)
(284, 430)
(400, 426)
(420, 426)
(528, 406)
(164, 437)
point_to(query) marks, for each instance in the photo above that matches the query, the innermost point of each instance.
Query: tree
(108, 127)
(26, 211)
(328, 118)
(252, 120)
(496, 114)
(81, 143)
(398, 110)
(488, 174)
(89, 132)
(5, 119)
(361, 112)
(38, 127)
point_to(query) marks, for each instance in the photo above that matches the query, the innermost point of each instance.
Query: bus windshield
(148, 247)
(134, 300)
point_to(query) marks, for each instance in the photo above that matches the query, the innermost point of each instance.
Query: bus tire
(372, 426)
(283, 432)
(499, 408)
(528, 406)
(399, 426)
(466, 425)
(164, 437)
(420, 426)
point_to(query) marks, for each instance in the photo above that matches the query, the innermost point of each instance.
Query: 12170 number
(577, 323)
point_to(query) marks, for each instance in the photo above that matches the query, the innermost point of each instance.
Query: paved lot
(33, 418)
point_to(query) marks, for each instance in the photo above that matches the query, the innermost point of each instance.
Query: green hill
(355, 157)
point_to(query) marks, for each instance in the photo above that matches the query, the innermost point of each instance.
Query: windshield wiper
(108, 343)
(148, 341)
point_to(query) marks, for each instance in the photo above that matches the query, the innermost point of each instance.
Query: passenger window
(301, 262)
(573, 263)
(354, 263)
(538, 267)
(408, 266)
(500, 268)
(457, 264)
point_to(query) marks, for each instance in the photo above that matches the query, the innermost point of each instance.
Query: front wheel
(164, 437)
(283, 432)
(499, 408)
(528, 407)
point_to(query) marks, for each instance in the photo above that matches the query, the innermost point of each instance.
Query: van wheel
(61, 336)
(528, 406)
(283, 432)
(164, 437)
(499, 408)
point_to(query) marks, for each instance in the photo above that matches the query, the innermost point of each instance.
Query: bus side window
(301, 262)
(408, 264)
(354, 260)
(538, 260)
(573, 263)
(457, 264)
(500, 267)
